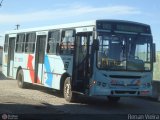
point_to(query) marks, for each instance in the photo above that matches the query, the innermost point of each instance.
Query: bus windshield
(124, 52)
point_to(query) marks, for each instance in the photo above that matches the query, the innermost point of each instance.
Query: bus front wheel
(20, 79)
(68, 94)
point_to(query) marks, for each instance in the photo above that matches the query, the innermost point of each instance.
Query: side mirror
(154, 52)
(95, 44)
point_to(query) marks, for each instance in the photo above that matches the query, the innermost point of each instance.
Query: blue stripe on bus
(48, 71)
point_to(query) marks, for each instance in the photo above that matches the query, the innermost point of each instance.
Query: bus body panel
(108, 83)
(120, 83)
(55, 66)
(26, 62)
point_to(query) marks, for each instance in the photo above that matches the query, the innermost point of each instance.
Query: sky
(38, 13)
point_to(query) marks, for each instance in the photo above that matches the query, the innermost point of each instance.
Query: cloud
(77, 11)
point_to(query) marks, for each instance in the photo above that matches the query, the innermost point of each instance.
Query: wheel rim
(67, 90)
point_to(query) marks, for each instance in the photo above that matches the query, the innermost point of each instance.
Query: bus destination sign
(123, 27)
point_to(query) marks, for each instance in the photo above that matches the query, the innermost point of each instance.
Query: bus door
(39, 58)
(10, 63)
(81, 69)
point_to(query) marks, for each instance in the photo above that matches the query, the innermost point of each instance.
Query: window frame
(21, 42)
(63, 35)
(55, 43)
(27, 42)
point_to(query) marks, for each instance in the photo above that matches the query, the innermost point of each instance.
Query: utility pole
(17, 26)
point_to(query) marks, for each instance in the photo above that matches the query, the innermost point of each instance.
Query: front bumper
(121, 92)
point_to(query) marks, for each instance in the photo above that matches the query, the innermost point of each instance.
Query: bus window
(30, 42)
(67, 43)
(6, 44)
(82, 48)
(20, 42)
(53, 40)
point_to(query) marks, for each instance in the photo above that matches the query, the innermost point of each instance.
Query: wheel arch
(63, 77)
(19, 68)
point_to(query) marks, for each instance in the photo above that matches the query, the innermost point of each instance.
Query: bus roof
(123, 21)
(73, 25)
(52, 27)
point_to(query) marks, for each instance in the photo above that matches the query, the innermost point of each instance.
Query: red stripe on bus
(31, 70)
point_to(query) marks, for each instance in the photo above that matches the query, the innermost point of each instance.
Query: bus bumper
(121, 92)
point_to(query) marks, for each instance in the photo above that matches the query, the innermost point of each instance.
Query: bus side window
(30, 42)
(67, 43)
(53, 40)
(20, 43)
(6, 43)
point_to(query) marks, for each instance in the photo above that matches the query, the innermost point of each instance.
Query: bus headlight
(92, 83)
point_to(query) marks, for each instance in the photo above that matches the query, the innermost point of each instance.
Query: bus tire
(113, 99)
(68, 94)
(20, 79)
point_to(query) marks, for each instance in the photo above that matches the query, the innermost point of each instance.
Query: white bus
(112, 58)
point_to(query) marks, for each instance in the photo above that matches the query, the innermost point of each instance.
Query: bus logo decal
(31, 70)
(48, 71)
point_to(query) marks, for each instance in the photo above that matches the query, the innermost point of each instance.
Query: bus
(112, 58)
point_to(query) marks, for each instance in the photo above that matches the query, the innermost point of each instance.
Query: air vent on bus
(124, 76)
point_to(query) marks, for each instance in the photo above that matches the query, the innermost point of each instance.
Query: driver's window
(104, 46)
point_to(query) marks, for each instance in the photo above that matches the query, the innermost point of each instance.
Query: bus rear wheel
(113, 99)
(20, 79)
(68, 94)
